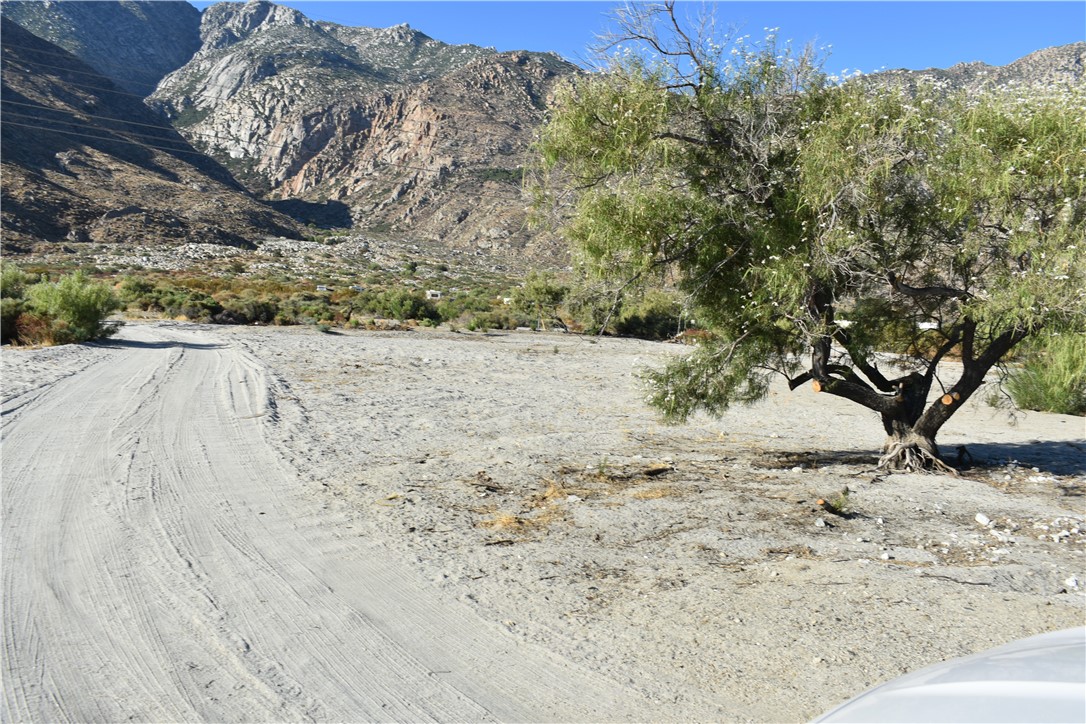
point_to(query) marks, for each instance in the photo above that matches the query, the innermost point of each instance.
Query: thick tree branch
(923, 292)
(860, 360)
(972, 378)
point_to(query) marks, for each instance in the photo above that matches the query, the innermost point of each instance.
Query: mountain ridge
(86, 163)
(384, 130)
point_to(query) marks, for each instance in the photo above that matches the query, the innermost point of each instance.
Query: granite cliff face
(384, 130)
(84, 162)
(133, 43)
(268, 87)
(410, 134)
(1059, 66)
(444, 158)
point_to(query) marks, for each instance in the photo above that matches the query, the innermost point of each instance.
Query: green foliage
(463, 306)
(539, 297)
(781, 204)
(13, 281)
(75, 306)
(1053, 376)
(721, 375)
(403, 304)
(495, 319)
(657, 315)
(246, 309)
(13, 284)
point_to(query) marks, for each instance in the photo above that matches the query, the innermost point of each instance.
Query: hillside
(133, 43)
(85, 162)
(1062, 65)
(403, 132)
(385, 131)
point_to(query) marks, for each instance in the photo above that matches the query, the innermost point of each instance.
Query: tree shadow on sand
(1060, 457)
(134, 344)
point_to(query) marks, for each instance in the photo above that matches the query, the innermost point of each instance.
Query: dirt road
(161, 563)
(209, 523)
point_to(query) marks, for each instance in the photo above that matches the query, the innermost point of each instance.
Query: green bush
(137, 292)
(246, 309)
(496, 319)
(13, 282)
(658, 315)
(1052, 377)
(540, 297)
(193, 305)
(10, 309)
(403, 305)
(76, 306)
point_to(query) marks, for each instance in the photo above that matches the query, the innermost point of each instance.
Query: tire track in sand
(161, 563)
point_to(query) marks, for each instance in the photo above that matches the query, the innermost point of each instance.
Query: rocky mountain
(133, 43)
(402, 132)
(85, 162)
(268, 86)
(444, 158)
(387, 131)
(1062, 65)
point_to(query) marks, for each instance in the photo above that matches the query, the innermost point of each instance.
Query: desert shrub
(188, 303)
(454, 308)
(589, 308)
(36, 329)
(304, 308)
(137, 292)
(1052, 377)
(403, 305)
(76, 305)
(246, 309)
(657, 315)
(540, 297)
(495, 319)
(10, 309)
(13, 283)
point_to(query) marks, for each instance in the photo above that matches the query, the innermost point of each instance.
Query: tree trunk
(907, 450)
(910, 443)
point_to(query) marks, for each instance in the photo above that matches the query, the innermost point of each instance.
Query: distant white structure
(323, 288)
(433, 294)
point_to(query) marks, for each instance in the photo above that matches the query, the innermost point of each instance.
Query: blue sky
(864, 35)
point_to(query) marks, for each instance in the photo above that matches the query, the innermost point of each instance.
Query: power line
(77, 85)
(92, 72)
(27, 116)
(165, 126)
(209, 138)
(113, 139)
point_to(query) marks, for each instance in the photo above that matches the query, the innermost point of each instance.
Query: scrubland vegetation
(812, 223)
(1052, 377)
(71, 309)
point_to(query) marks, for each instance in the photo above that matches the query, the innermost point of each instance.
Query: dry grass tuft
(504, 522)
(666, 491)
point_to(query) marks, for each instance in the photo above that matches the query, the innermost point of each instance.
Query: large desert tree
(851, 235)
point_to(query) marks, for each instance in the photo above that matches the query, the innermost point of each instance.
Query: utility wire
(254, 146)
(165, 126)
(113, 139)
(23, 116)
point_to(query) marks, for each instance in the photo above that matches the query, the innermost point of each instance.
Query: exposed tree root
(910, 457)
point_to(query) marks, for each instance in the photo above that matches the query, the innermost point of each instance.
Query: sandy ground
(228, 524)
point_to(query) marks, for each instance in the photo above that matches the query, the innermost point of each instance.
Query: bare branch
(924, 292)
